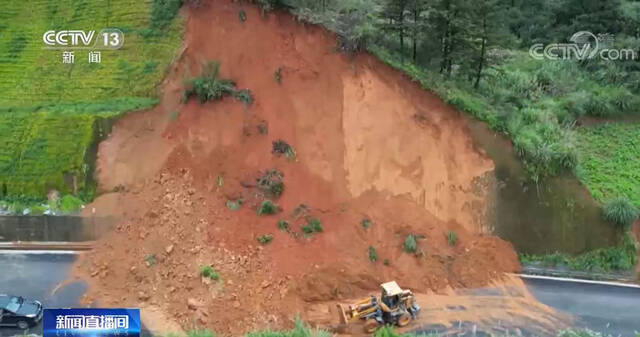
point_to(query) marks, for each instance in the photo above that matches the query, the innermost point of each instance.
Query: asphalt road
(610, 310)
(36, 276)
(607, 309)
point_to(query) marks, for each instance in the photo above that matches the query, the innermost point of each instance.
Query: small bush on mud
(373, 255)
(283, 225)
(265, 239)
(150, 260)
(263, 128)
(277, 75)
(209, 87)
(244, 96)
(452, 238)
(313, 226)
(267, 208)
(280, 147)
(386, 262)
(234, 205)
(411, 244)
(242, 15)
(271, 183)
(366, 223)
(207, 271)
(300, 211)
(620, 211)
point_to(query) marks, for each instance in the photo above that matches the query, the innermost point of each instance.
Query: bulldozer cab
(391, 294)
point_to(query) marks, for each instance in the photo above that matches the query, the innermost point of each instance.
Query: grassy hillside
(50, 112)
(30, 75)
(50, 147)
(610, 160)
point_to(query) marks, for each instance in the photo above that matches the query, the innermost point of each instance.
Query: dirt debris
(360, 151)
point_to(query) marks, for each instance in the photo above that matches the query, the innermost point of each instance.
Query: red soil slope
(369, 143)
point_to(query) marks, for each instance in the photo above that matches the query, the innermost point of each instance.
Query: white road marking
(32, 252)
(566, 279)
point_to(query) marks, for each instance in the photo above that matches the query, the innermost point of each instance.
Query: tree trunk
(482, 52)
(401, 45)
(415, 34)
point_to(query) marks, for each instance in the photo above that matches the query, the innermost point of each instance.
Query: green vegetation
(271, 183)
(621, 212)
(244, 96)
(299, 330)
(284, 225)
(580, 333)
(410, 244)
(150, 260)
(208, 86)
(22, 205)
(265, 239)
(70, 204)
(33, 76)
(209, 272)
(619, 258)
(280, 147)
(480, 63)
(234, 205)
(609, 161)
(242, 15)
(313, 226)
(162, 14)
(51, 147)
(452, 238)
(52, 114)
(373, 255)
(366, 223)
(267, 208)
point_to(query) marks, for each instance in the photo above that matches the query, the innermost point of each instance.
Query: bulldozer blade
(343, 315)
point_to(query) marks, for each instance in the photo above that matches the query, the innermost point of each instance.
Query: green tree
(395, 14)
(450, 25)
(417, 24)
(488, 30)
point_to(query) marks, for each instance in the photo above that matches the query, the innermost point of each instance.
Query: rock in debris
(142, 296)
(193, 304)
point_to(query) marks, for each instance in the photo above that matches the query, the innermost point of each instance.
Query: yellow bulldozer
(395, 306)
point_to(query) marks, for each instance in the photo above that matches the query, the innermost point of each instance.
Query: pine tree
(488, 29)
(395, 13)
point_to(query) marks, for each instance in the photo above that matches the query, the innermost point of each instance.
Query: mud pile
(369, 144)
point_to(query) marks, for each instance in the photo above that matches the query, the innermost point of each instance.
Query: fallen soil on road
(369, 144)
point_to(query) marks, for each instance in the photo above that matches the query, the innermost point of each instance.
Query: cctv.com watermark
(583, 45)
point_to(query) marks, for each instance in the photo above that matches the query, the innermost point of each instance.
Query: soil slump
(369, 144)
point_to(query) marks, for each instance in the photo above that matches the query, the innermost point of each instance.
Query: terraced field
(31, 75)
(50, 112)
(609, 158)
